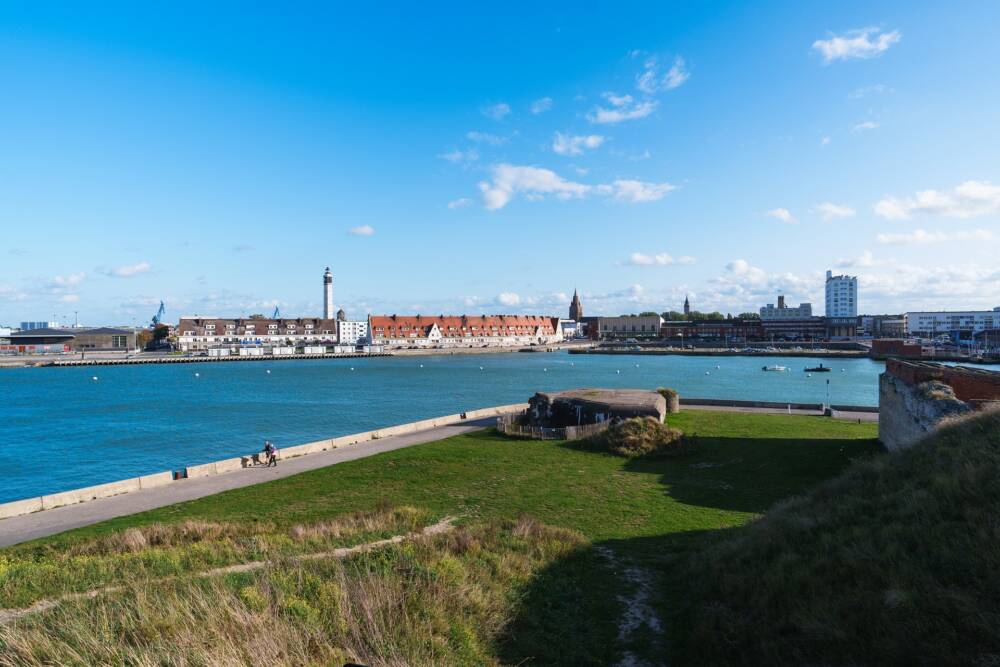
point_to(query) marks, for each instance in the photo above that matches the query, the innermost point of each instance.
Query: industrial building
(58, 341)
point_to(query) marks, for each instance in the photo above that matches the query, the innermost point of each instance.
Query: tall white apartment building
(841, 295)
(352, 332)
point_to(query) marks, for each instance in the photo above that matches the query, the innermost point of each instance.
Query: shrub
(643, 436)
(672, 397)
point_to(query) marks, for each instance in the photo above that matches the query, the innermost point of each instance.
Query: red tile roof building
(463, 330)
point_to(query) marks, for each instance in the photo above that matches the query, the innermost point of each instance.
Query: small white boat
(775, 367)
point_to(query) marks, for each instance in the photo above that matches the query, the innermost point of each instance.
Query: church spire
(576, 308)
(687, 306)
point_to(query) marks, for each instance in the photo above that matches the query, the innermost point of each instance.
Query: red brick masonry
(967, 383)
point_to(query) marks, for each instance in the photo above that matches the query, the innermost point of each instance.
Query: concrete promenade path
(50, 522)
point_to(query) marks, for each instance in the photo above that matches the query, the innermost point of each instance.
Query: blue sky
(457, 159)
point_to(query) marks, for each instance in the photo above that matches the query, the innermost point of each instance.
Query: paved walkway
(840, 414)
(49, 522)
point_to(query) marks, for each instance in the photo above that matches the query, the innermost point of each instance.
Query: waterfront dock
(191, 359)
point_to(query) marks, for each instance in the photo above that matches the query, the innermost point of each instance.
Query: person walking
(272, 454)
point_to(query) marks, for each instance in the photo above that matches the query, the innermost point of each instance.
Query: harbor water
(63, 429)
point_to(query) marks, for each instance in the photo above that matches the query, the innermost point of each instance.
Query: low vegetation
(893, 562)
(495, 589)
(643, 436)
(442, 600)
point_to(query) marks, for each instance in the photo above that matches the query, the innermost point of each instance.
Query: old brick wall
(914, 397)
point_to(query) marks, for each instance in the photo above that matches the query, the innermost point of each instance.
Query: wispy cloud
(966, 200)
(856, 44)
(658, 259)
(536, 183)
(825, 141)
(921, 236)
(623, 107)
(496, 111)
(636, 192)
(541, 105)
(533, 182)
(830, 211)
(363, 230)
(651, 80)
(130, 270)
(865, 260)
(565, 144)
(866, 125)
(459, 156)
(485, 138)
(459, 203)
(65, 282)
(782, 214)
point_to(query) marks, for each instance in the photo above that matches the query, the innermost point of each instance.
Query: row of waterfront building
(334, 332)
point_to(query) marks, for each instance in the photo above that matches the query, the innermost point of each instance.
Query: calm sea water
(62, 430)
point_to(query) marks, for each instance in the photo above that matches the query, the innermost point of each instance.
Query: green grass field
(560, 605)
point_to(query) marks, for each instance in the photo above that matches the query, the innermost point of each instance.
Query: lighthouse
(327, 294)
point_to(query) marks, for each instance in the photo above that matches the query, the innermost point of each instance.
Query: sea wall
(916, 397)
(63, 498)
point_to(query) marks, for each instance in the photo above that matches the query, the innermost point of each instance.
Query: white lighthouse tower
(327, 294)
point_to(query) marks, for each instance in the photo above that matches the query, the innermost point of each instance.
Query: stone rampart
(915, 397)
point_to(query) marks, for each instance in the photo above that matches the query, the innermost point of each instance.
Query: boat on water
(774, 367)
(818, 369)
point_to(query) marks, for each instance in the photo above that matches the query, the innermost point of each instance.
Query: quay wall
(75, 496)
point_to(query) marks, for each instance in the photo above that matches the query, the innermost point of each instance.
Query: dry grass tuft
(441, 600)
(642, 436)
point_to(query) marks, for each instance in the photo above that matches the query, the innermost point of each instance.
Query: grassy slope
(893, 562)
(756, 460)
(646, 509)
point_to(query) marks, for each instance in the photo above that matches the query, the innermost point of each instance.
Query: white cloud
(830, 211)
(636, 192)
(363, 230)
(743, 271)
(825, 141)
(966, 200)
(856, 44)
(485, 137)
(565, 144)
(866, 125)
(496, 111)
(69, 298)
(130, 270)
(459, 156)
(541, 105)
(650, 81)
(459, 203)
(508, 299)
(782, 214)
(659, 259)
(623, 107)
(64, 282)
(922, 236)
(533, 182)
